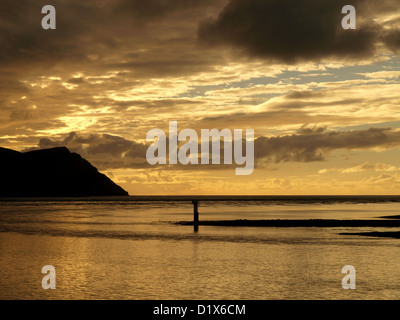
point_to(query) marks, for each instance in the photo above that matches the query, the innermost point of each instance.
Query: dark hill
(52, 173)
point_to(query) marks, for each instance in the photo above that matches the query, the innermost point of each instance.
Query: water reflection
(108, 251)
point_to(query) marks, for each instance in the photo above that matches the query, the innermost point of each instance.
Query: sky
(324, 102)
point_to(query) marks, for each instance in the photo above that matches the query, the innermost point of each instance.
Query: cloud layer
(314, 146)
(115, 69)
(308, 145)
(295, 30)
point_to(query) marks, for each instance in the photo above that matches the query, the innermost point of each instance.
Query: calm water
(127, 250)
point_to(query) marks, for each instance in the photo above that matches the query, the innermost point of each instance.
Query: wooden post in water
(195, 215)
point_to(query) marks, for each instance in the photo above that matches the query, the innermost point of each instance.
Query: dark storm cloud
(79, 23)
(295, 30)
(392, 39)
(99, 34)
(22, 36)
(104, 151)
(150, 9)
(313, 144)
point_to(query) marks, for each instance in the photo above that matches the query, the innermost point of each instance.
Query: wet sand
(328, 223)
(387, 221)
(391, 234)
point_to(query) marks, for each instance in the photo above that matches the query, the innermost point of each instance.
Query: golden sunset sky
(324, 102)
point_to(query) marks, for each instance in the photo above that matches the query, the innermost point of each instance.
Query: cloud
(154, 9)
(23, 38)
(95, 36)
(361, 168)
(381, 75)
(104, 151)
(307, 145)
(392, 39)
(99, 62)
(384, 181)
(315, 146)
(299, 30)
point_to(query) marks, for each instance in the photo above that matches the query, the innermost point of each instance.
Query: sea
(126, 249)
